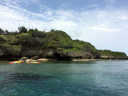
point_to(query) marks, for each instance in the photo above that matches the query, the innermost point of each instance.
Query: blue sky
(104, 23)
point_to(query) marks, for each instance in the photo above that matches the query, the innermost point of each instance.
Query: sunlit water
(90, 78)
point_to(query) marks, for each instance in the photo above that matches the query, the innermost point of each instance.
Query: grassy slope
(54, 39)
(112, 53)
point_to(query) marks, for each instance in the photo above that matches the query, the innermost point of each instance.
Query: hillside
(106, 54)
(55, 44)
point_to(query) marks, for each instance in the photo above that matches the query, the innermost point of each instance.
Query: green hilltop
(54, 44)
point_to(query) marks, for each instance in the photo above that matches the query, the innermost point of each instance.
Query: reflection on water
(90, 78)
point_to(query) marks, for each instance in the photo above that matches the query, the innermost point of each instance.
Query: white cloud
(6, 13)
(124, 18)
(106, 29)
(102, 28)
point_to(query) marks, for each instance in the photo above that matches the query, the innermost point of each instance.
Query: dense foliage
(112, 54)
(58, 41)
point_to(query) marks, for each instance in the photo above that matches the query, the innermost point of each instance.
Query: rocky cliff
(54, 44)
(108, 54)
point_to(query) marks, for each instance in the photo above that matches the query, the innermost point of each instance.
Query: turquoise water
(90, 78)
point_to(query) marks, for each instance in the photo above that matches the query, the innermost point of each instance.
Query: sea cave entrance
(60, 57)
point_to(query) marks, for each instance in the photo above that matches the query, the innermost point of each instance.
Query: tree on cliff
(1, 31)
(22, 29)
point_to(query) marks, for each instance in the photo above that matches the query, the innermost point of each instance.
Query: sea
(65, 78)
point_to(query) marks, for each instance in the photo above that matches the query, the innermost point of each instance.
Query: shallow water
(89, 78)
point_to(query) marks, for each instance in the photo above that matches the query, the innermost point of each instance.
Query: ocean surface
(86, 78)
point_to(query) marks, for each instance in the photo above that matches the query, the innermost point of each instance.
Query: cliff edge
(55, 44)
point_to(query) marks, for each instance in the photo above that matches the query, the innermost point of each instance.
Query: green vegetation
(6, 45)
(112, 54)
(22, 29)
(58, 39)
(3, 39)
(61, 44)
(16, 47)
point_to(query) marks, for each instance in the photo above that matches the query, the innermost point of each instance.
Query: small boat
(15, 62)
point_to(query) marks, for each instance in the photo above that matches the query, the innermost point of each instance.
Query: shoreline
(95, 59)
(85, 59)
(46, 60)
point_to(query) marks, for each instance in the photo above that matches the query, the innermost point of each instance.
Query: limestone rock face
(108, 54)
(1, 53)
(53, 45)
(45, 53)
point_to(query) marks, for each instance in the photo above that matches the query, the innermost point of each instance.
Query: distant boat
(15, 62)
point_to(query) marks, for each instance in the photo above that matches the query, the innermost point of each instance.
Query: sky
(103, 23)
